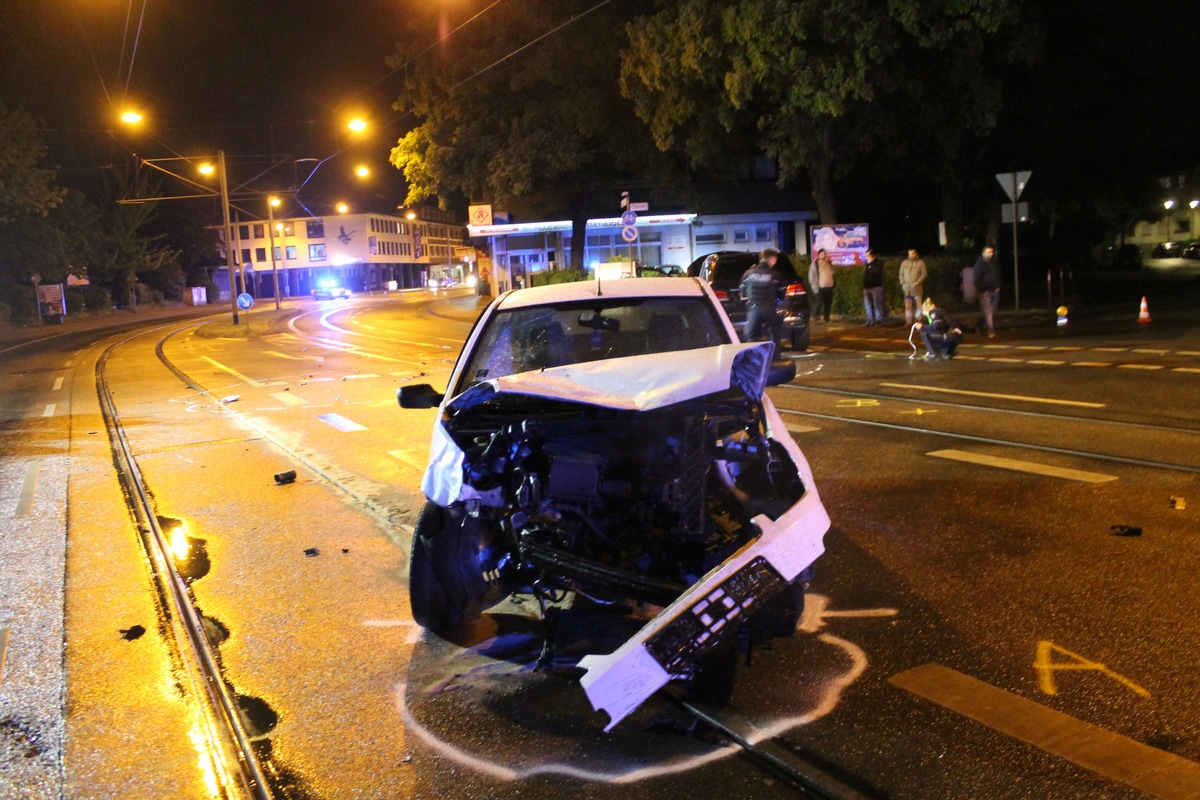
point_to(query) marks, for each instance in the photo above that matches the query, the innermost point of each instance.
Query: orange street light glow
(361, 171)
(342, 208)
(358, 125)
(207, 169)
(131, 117)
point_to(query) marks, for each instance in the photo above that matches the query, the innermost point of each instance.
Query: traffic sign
(1006, 212)
(639, 206)
(629, 233)
(1013, 183)
(629, 218)
(245, 301)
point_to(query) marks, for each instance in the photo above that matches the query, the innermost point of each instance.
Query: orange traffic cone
(1144, 314)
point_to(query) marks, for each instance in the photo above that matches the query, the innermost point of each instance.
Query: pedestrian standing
(987, 283)
(762, 287)
(913, 273)
(820, 280)
(873, 289)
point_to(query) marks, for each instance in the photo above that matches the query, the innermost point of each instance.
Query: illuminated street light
(362, 171)
(131, 117)
(1168, 205)
(206, 169)
(342, 208)
(1194, 204)
(358, 125)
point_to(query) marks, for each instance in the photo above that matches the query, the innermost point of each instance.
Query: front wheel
(456, 569)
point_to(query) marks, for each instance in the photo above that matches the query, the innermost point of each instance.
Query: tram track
(227, 745)
(243, 776)
(993, 440)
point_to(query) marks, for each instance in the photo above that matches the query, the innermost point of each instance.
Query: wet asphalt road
(947, 550)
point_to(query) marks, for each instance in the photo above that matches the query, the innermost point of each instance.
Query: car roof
(587, 290)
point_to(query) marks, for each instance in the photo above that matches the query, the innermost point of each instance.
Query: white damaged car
(614, 441)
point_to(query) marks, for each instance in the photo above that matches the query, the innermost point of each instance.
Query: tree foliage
(521, 107)
(804, 81)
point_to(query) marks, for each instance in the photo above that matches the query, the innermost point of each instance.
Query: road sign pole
(1016, 274)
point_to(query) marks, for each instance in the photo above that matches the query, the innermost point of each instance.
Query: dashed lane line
(943, 390)
(28, 489)
(1158, 773)
(289, 398)
(48, 411)
(1046, 362)
(801, 428)
(233, 372)
(1091, 363)
(341, 423)
(58, 383)
(1017, 465)
(1187, 369)
(1140, 366)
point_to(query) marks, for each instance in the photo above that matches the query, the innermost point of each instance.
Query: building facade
(362, 252)
(521, 250)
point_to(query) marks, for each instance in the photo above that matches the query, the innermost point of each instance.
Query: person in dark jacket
(941, 336)
(762, 287)
(987, 283)
(873, 289)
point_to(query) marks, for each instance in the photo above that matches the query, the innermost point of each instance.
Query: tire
(455, 569)
(427, 594)
(799, 339)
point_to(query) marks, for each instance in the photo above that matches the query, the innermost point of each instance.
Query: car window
(540, 337)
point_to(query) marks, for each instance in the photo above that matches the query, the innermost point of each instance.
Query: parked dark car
(1191, 251)
(616, 443)
(723, 271)
(1126, 256)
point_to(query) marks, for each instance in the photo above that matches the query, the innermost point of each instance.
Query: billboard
(846, 245)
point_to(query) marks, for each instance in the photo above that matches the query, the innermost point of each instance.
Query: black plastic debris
(1125, 530)
(133, 632)
(285, 477)
(312, 551)
(345, 550)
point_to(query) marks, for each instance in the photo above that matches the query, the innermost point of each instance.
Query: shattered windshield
(539, 337)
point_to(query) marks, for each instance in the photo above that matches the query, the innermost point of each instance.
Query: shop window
(316, 252)
(741, 237)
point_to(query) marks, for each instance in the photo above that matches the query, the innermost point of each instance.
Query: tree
(801, 80)
(503, 115)
(28, 240)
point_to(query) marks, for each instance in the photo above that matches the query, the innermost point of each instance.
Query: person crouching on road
(762, 286)
(941, 336)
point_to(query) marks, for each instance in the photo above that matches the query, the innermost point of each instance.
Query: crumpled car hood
(636, 383)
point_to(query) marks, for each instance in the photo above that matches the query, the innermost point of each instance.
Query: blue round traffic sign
(244, 301)
(629, 218)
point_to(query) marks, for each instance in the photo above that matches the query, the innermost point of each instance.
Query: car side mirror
(422, 395)
(781, 371)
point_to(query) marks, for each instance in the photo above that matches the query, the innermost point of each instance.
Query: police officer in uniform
(762, 286)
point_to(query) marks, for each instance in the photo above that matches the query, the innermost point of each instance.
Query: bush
(74, 299)
(563, 276)
(944, 284)
(21, 302)
(97, 298)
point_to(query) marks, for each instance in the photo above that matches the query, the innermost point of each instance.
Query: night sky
(1116, 85)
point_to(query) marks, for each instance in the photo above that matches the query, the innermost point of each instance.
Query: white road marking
(1091, 363)
(1186, 369)
(357, 376)
(1032, 347)
(341, 423)
(403, 455)
(1139, 366)
(287, 398)
(1188, 353)
(318, 359)
(233, 372)
(1067, 349)
(1048, 400)
(1153, 352)
(58, 383)
(1008, 360)
(1023, 466)
(28, 488)
(1110, 349)
(802, 428)
(1047, 362)
(48, 411)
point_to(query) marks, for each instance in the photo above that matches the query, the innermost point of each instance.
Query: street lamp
(272, 203)
(343, 208)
